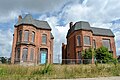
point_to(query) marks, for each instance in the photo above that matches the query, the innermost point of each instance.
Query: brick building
(82, 36)
(32, 42)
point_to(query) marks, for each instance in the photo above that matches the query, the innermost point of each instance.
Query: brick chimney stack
(71, 24)
(19, 17)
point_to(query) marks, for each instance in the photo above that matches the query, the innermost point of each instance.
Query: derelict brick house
(32, 41)
(81, 36)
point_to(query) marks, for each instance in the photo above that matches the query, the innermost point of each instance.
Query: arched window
(78, 41)
(26, 36)
(44, 39)
(20, 36)
(32, 54)
(33, 36)
(17, 54)
(25, 54)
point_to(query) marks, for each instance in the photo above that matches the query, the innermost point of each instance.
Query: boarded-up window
(32, 54)
(106, 43)
(44, 39)
(18, 54)
(78, 41)
(20, 36)
(86, 40)
(25, 54)
(33, 36)
(79, 57)
(26, 35)
(94, 44)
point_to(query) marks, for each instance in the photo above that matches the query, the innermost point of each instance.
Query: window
(26, 35)
(18, 54)
(33, 36)
(106, 43)
(25, 54)
(86, 40)
(32, 54)
(79, 57)
(44, 39)
(78, 41)
(94, 44)
(20, 36)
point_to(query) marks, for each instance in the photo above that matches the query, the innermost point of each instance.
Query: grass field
(17, 72)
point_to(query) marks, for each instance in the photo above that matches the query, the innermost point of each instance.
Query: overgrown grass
(17, 72)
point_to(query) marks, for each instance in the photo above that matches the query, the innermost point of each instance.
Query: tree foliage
(103, 55)
(87, 54)
(3, 60)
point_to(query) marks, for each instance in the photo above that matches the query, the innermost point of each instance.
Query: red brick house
(32, 41)
(82, 36)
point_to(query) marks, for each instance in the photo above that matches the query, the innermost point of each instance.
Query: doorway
(43, 56)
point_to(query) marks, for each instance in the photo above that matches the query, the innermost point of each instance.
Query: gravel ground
(100, 78)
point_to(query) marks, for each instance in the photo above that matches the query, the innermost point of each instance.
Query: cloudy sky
(58, 13)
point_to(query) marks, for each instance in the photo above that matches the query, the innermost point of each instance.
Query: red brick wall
(37, 44)
(73, 49)
(98, 40)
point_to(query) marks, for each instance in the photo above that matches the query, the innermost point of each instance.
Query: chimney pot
(19, 17)
(71, 24)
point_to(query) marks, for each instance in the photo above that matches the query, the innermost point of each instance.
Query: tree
(103, 55)
(88, 54)
(3, 60)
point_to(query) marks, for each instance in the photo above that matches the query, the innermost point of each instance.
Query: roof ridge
(100, 28)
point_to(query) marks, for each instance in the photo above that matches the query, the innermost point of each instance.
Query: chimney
(62, 44)
(19, 17)
(71, 24)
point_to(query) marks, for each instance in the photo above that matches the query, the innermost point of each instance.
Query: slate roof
(82, 25)
(52, 37)
(28, 19)
(102, 32)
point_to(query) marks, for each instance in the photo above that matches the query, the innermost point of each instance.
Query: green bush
(103, 55)
(88, 54)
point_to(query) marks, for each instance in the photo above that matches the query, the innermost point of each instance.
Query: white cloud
(59, 33)
(10, 16)
(98, 13)
(6, 37)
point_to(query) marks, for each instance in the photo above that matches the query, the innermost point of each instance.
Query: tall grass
(17, 72)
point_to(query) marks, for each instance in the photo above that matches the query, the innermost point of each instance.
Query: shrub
(103, 55)
(88, 54)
